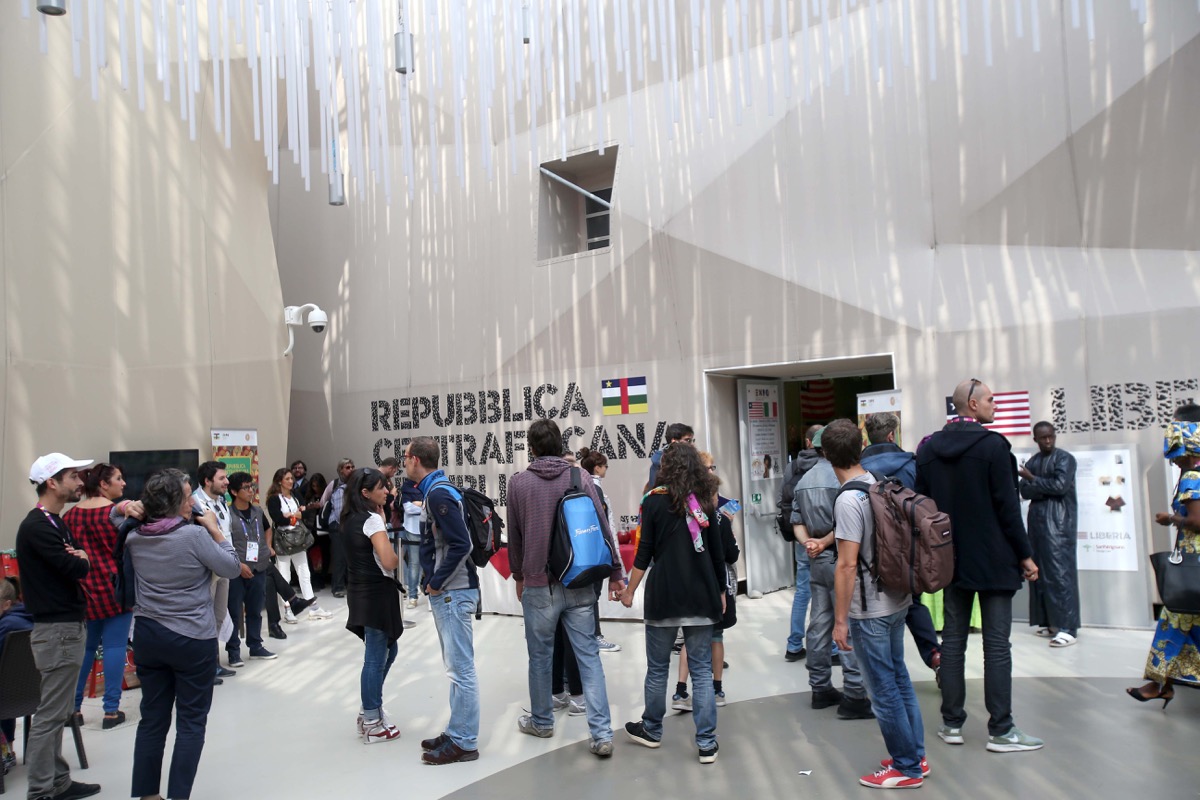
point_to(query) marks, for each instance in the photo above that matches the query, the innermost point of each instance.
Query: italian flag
(625, 396)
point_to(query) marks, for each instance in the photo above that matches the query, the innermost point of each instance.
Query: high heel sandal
(1165, 694)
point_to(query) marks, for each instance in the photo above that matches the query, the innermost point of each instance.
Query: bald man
(971, 474)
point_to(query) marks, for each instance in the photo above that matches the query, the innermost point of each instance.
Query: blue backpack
(580, 554)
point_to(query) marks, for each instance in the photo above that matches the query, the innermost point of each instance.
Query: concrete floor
(285, 728)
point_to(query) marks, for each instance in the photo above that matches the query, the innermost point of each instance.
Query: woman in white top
(284, 510)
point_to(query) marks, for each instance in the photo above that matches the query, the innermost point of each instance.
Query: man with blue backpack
(559, 545)
(453, 588)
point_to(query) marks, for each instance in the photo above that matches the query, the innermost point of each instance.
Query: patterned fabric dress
(1175, 651)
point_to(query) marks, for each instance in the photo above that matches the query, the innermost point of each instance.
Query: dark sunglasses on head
(974, 382)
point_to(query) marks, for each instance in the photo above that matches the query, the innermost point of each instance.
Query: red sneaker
(890, 779)
(887, 763)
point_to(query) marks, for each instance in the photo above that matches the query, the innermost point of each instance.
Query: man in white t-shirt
(210, 496)
(871, 618)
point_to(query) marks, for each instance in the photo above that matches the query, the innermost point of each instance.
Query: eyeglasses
(712, 468)
(974, 382)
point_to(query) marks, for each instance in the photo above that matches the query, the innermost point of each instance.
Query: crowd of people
(190, 572)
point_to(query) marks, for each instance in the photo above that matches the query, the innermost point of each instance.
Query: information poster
(766, 447)
(238, 450)
(1107, 538)
(877, 403)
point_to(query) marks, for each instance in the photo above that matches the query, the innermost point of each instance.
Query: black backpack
(483, 523)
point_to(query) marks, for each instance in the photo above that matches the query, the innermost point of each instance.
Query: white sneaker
(380, 731)
(576, 706)
(316, 612)
(288, 616)
(412, 602)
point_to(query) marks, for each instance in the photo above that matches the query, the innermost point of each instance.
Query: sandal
(1062, 639)
(1043, 632)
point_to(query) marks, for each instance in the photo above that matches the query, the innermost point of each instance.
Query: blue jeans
(543, 608)
(996, 611)
(697, 640)
(800, 601)
(879, 645)
(820, 635)
(412, 570)
(177, 671)
(378, 656)
(452, 611)
(113, 634)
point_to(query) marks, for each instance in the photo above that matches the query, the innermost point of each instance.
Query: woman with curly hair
(686, 589)
(1175, 650)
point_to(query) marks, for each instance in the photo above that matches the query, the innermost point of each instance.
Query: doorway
(756, 416)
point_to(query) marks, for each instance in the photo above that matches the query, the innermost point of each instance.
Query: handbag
(1178, 577)
(297, 539)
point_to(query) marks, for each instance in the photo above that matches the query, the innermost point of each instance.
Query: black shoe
(77, 789)
(795, 655)
(826, 698)
(225, 673)
(298, 604)
(855, 709)
(114, 720)
(448, 753)
(636, 732)
(217, 681)
(276, 632)
(835, 660)
(339, 592)
(434, 743)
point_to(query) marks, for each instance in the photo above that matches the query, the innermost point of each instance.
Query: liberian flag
(762, 410)
(1012, 413)
(624, 396)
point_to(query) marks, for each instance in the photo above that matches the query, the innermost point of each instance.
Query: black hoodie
(971, 474)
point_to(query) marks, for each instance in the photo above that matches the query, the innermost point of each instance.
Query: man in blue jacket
(453, 589)
(971, 474)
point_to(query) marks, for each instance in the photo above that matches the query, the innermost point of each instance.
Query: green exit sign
(756, 497)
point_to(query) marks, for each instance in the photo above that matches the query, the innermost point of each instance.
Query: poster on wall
(1108, 509)
(877, 403)
(762, 415)
(238, 450)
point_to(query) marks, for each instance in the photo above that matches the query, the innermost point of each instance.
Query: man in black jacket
(971, 474)
(52, 568)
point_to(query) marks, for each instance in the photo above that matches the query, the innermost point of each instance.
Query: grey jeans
(820, 634)
(58, 653)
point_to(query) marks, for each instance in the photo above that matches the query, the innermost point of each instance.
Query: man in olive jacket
(971, 474)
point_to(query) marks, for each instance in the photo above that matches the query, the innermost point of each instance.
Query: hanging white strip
(226, 90)
(887, 43)
(987, 32)
(872, 18)
(595, 44)
(1019, 17)
(620, 10)
(94, 45)
(668, 81)
(162, 48)
(964, 27)
(653, 27)
(827, 42)
(1075, 14)
(1091, 20)
(906, 32)
(1142, 11)
(123, 41)
(805, 63)
(233, 11)
(636, 41)
(710, 72)
(485, 139)
(194, 46)
(733, 26)
(575, 46)
(252, 48)
(455, 13)
(181, 59)
(931, 35)
(629, 41)
(747, 91)
(287, 42)
(563, 77)
(535, 77)
(768, 13)
(102, 34)
(785, 29)
(676, 85)
(139, 57)
(213, 54)
(77, 20)
(1035, 26)
(846, 56)
(25, 9)
(603, 37)
(510, 40)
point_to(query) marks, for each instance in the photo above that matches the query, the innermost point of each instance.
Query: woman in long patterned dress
(1175, 651)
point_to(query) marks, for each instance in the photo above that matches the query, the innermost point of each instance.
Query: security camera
(294, 315)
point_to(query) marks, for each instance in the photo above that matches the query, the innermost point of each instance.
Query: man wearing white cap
(51, 570)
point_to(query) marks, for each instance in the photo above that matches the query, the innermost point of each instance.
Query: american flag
(1012, 413)
(817, 399)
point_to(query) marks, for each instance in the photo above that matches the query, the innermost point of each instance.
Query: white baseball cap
(50, 465)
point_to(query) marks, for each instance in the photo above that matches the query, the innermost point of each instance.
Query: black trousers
(177, 672)
(920, 626)
(276, 586)
(338, 571)
(564, 659)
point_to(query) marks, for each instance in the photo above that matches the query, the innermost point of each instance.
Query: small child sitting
(13, 617)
